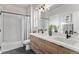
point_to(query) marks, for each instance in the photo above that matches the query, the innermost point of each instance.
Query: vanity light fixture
(44, 7)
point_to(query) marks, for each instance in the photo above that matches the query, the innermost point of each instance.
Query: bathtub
(10, 46)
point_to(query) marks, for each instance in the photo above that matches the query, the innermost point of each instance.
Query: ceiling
(22, 5)
(26, 5)
(17, 5)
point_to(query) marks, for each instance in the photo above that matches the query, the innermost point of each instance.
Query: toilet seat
(26, 41)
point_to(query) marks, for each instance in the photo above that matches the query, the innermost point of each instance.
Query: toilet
(27, 44)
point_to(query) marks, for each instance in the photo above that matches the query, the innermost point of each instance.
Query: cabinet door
(35, 44)
(63, 50)
(35, 48)
(48, 47)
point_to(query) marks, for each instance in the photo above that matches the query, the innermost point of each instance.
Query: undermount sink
(68, 41)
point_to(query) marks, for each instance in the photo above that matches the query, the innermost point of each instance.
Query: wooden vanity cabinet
(41, 46)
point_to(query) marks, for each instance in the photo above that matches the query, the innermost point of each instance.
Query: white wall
(35, 17)
(76, 21)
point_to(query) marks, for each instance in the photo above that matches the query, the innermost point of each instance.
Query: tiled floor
(19, 51)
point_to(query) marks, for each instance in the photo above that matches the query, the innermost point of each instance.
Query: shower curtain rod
(14, 13)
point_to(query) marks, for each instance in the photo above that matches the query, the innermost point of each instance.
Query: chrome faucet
(68, 35)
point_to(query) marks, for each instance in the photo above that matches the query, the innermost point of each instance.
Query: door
(12, 33)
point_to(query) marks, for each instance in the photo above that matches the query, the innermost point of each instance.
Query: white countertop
(71, 43)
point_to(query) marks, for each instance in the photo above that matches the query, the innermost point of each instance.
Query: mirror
(65, 17)
(43, 23)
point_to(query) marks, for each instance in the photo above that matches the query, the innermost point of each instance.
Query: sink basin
(68, 41)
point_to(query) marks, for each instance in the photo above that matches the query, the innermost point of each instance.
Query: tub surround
(60, 40)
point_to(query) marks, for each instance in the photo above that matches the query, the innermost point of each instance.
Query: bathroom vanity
(44, 44)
